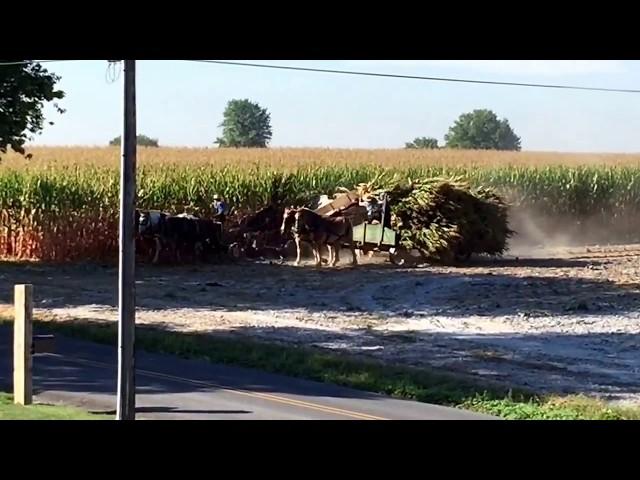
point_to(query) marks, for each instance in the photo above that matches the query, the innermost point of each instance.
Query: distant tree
(143, 141)
(483, 130)
(24, 89)
(245, 124)
(422, 142)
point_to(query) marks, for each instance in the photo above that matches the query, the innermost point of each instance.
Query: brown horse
(311, 227)
(288, 223)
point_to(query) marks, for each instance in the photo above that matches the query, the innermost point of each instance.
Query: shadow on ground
(173, 410)
(484, 287)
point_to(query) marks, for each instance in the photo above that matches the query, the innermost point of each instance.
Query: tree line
(26, 88)
(246, 124)
(476, 130)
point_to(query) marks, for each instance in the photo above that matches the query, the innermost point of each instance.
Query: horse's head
(143, 221)
(255, 220)
(147, 221)
(288, 219)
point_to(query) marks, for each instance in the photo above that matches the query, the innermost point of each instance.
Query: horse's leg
(178, 246)
(354, 257)
(313, 250)
(198, 252)
(316, 252)
(352, 246)
(298, 252)
(332, 254)
(173, 249)
(336, 254)
(158, 248)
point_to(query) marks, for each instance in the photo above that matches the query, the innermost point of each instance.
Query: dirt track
(567, 321)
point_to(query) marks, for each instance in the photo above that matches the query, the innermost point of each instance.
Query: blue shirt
(219, 207)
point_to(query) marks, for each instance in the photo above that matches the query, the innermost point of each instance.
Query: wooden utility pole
(22, 341)
(126, 273)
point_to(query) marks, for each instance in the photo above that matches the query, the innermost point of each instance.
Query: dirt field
(565, 321)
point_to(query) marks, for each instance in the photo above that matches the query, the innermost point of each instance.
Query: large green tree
(482, 130)
(245, 124)
(25, 87)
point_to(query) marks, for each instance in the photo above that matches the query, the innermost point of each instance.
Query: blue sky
(181, 103)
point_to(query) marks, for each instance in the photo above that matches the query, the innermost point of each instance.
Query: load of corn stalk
(444, 219)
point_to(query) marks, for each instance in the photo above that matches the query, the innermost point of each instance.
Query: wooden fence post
(22, 342)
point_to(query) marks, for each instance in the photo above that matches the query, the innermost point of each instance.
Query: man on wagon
(374, 209)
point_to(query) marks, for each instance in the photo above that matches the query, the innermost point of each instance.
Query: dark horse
(260, 235)
(265, 220)
(308, 226)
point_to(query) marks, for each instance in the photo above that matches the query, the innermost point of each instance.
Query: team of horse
(178, 233)
(268, 230)
(318, 230)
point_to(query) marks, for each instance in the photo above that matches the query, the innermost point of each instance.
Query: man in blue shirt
(219, 208)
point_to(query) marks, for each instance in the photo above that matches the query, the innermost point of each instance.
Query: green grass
(424, 385)
(11, 411)
(574, 407)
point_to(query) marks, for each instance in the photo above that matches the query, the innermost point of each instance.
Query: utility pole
(126, 408)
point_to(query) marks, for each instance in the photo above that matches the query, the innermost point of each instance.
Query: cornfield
(62, 205)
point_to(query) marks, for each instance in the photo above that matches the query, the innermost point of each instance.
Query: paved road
(84, 374)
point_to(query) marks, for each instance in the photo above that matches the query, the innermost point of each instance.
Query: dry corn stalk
(444, 218)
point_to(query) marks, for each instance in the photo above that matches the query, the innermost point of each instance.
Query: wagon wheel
(236, 251)
(402, 257)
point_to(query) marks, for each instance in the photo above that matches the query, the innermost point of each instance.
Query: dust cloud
(541, 232)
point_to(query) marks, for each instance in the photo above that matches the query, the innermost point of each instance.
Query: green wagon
(378, 236)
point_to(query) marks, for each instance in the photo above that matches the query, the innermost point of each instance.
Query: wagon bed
(380, 237)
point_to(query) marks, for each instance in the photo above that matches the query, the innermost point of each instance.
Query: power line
(24, 62)
(376, 74)
(415, 77)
